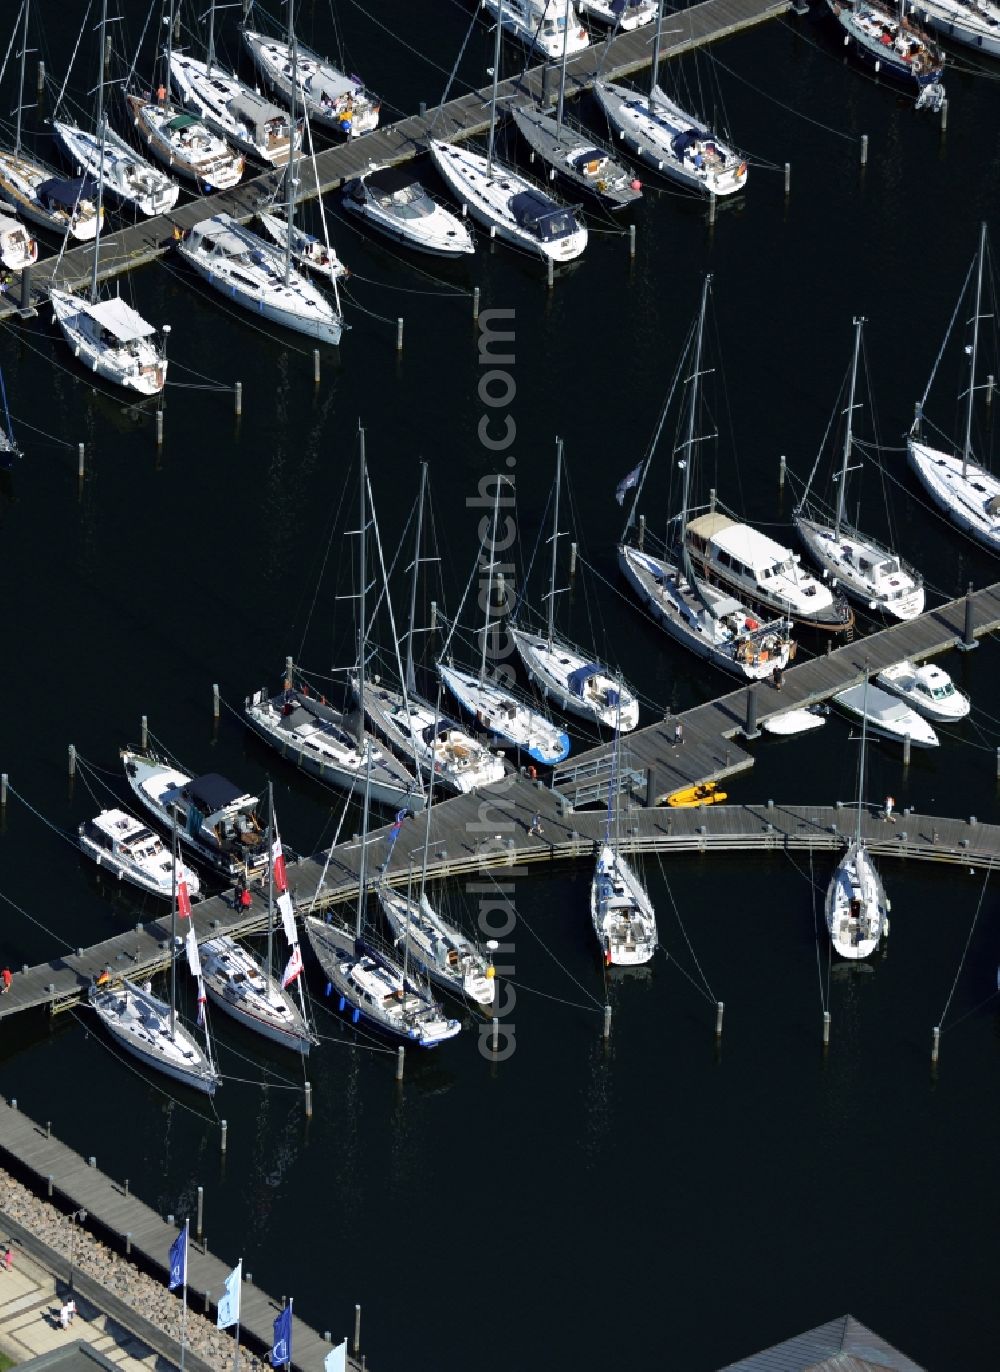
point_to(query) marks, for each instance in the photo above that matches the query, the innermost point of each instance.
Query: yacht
(572, 154)
(883, 38)
(671, 141)
(927, 689)
(576, 684)
(17, 247)
(59, 204)
(549, 26)
(886, 714)
(507, 717)
(251, 272)
(146, 1028)
(407, 214)
(127, 176)
(973, 23)
(215, 819)
(237, 983)
(113, 340)
(509, 205)
(307, 250)
(437, 949)
(242, 116)
(183, 143)
(634, 13)
(121, 844)
(337, 101)
(763, 571)
(621, 911)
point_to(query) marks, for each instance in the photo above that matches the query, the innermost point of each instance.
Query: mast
(967, 445)
(654, 75)
(489, 592)
(411, 680)
(362, 559)
(690, 440)
(290, 174)
(170, 46)
(493, 98)
(363, 873)
(861, 765)
(555, 542)
(173, 918)
(270, 878)
(20, 93)
(210, 48)
(100, 183)
(562, 75)
(430, 797)
(848, 432)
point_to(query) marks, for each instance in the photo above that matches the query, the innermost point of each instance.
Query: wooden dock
(463, 117)
(55, 1171)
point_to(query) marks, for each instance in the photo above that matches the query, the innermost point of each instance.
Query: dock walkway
(463, 117)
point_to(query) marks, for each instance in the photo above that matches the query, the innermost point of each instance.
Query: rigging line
(72, 60)
(572, 1004)
(334, 524)
(850, 137)
(333, 844)
(687, 976)
(454, 71)
(51, 932)
(175, 1100)
(975, 1010)
(384, 319)
(127, 83)
(395, 35)
(947, 336)
(264, 1085)
(477, 568)
(710, 993)
(819, 961)
(965, 950)
(180, 366)
(13, 36)
(38, 815)
(452, 293)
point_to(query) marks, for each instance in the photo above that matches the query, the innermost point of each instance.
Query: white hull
(975, 25)
(887, 715)
(637, 13)
(507, 718)
(236, 983)
(536, 24)
(307, 251)
(194, 152)
(551, 667)
(338, 102)
(971, 501)
(490, 200)
(20, 179)
(233, 110)
(123, 846)
(141, 1024)
(127, 176)
(438, 950)
(794, 722)
(928, 690)
(621, 912)
(856, 907)
(140, 367)
(866, 570)
(17, 247)
(437, 232)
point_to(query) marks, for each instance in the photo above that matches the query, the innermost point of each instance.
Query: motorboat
(251, 272)
(52, 202)
(325, 742)
(967, 492)
(886, 715)
(621, 911)
(237, 983)
(973, 23)
(374, 986)
(182, 142)
(146, 1028)
(308, 251)
(113, 340)
(671, 141)
(331, 98)
(550, 26)
(436, 948)
(128, 849)
(407, 214)
(576, 684)
(510, 719)
(128, 177)
(17, 247)
(928, 689)
(214, 819)
(766, 573)
(801, 721)
(633, 14)
(692, 797)
(882, 37)
(233, 110)
(571, 154)
(509, 205)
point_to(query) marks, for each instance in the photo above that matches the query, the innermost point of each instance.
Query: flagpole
(184, 1294)
(239, 1311)
(288, 1360)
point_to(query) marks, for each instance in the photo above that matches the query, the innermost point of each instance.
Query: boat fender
(356, 1016)
(342, 1004)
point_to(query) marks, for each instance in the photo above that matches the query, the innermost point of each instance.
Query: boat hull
(965, 500)
(902, 598)
(113, 364)
(322, 331)
(384, 224)
(200, 1077)
(534, 651)
(611, 186)
(882, 58)
(952, 22)
(856, 906)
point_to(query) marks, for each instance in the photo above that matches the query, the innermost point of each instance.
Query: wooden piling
(309, 1100)
(968, 637)
(41, 77)
(159, 428)
(907, 745)
(826, 1028)
(3, 784)
(944, 116)
(72, 762)
(222, 1136)
(607, 1021)
(642, 530)
(711, 207)
(215, 700)
(475, 302)
(81, 450)
(400, 1062)
(549, 272)
(572, 559)
(720, 1008)
(357, 1330)
(201, 1211)
(782, 466)
(631, 242)
(864, 150)
(935, 1043)
(143, 732)
(315, 366)
(989, 389)
(788, 179)
(238, 398)
(399, 335)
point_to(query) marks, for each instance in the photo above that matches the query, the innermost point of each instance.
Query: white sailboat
(666, 137)
(121, 844)
(369, 983)
(711, 623)
(867, 570)
(959, 485)
(563, 673)
(632, 14)
(973, 23)
(857, 912)
(331, 98)
(249, 992)
(548, 26)
(620, 908)
(188, 147)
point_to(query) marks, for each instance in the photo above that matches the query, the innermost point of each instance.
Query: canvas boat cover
(540, 215)
(63, 194)
(222, 232)
(255, 111)
(182, 121)
(577, 680)
(119, 319)
(443, 726)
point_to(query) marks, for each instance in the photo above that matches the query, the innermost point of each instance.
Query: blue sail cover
(682, 141)
(578, 679)
(63, 194)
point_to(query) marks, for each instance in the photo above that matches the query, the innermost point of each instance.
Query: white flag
(287, 917)
(229, 1301)
(336, 1359)
(194, 961)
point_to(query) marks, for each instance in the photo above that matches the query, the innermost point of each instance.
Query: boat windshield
(409, 202)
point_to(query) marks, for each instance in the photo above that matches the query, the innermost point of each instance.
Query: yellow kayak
(707, 793)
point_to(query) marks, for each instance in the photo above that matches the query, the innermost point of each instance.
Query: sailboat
(34, 189)
(712, 623)
(9, 446)
(509, 718)
(148, 1027)
(369, 981)
(667, 138)
(509, 205)
(438, 950)
(620, 908)
(973, 23)
(884, 38)
(857, 912)
(110, 161)
(565, 674)
(865, 568)
(234, 110)
(331, 98)
(959, 485)
(247, 991)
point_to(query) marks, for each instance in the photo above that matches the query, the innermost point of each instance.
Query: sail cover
(63, 194)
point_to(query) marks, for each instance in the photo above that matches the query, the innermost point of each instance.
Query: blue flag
(281, 1351)
(626, 484)
(229, 1301)
(179, 1259)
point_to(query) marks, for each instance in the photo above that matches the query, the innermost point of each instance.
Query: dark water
(655, 1200)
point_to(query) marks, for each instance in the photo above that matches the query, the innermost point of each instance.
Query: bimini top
(210, 793)
(577, 680)
(57, 193)
(686, 139)
(120, 320)
(540, 215)
(183, 121)
(256, 111)
(755, 550)
(223, 233)
(443, 726)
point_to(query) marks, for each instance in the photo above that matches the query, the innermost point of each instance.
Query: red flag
(183, 900)
(280, 876)
(294, 967)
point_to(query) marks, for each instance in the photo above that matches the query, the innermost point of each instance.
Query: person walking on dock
(5, 979)
(536, 829)
(889, 803)
(678, 734)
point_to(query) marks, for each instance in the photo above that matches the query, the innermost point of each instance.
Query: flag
(179, 1259)
(194, 961)
(278, 858)
(183, 900)
(336, 1359)
(201, 1003)
(281, 1350)
(627, 483)
(294, 967)
(287, 917)
(229, 1301)
(397, 825)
